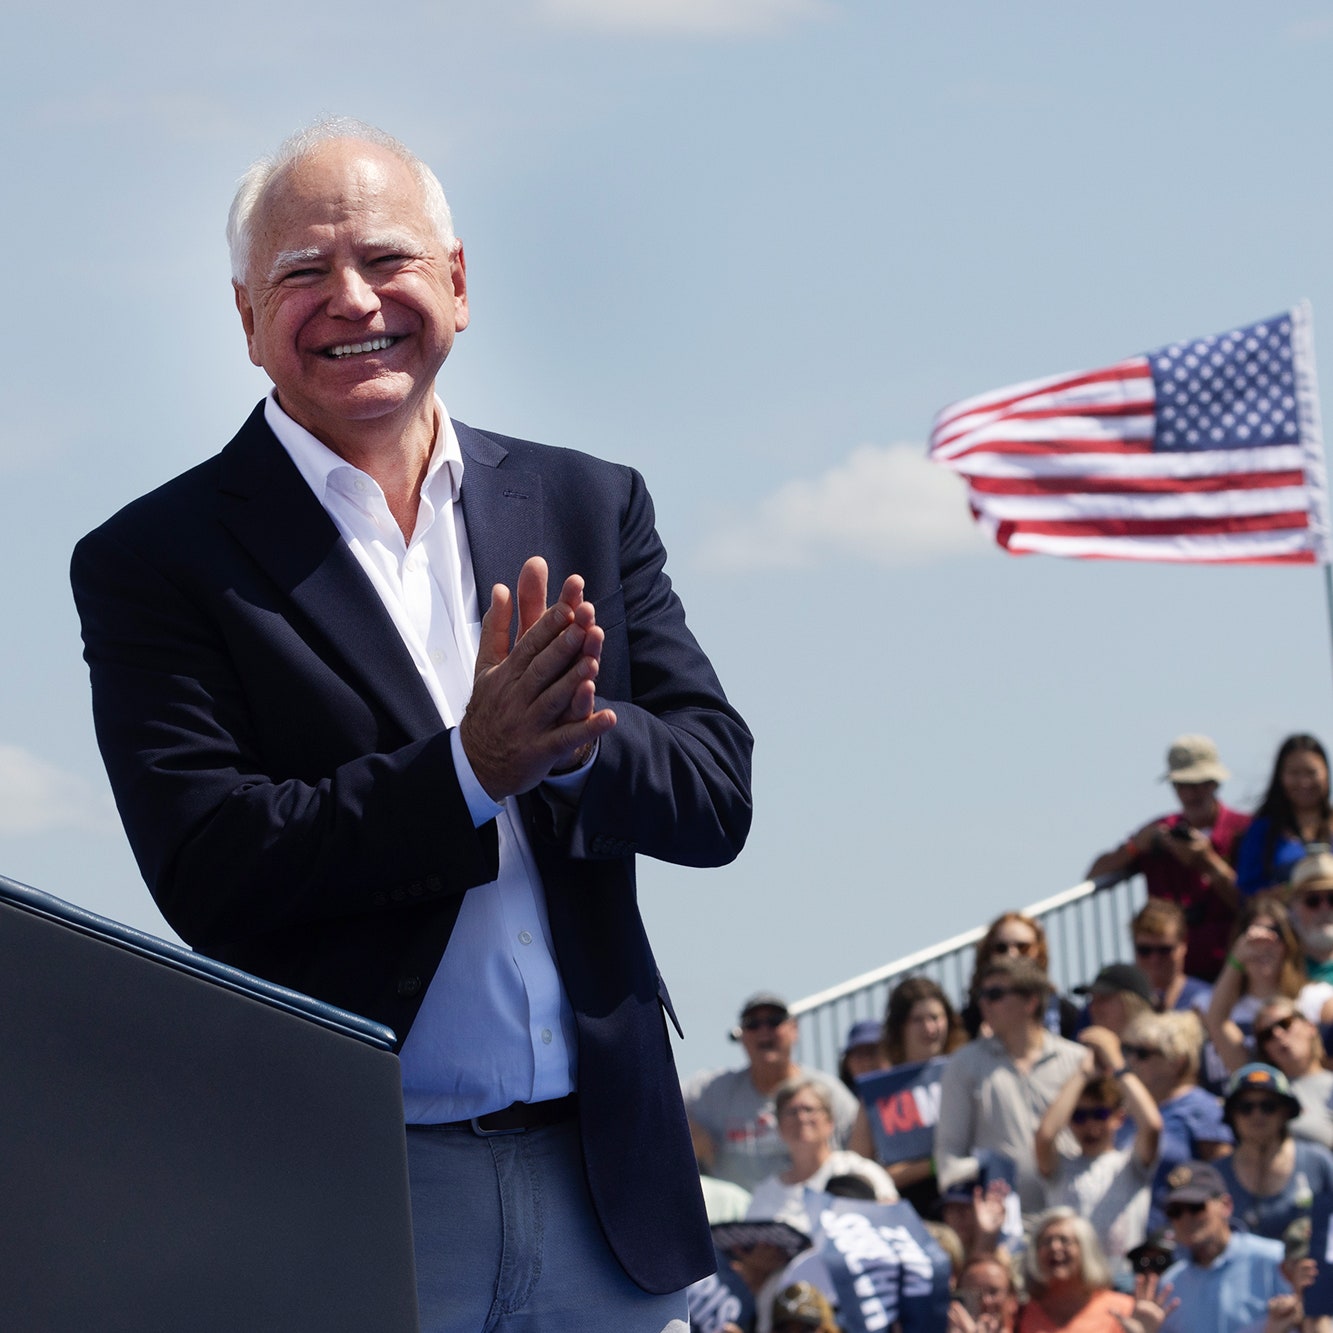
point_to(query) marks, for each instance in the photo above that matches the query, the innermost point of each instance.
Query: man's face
(1161, 958)
(768, 1036)
(1312, 915)
(1107, 1010)
(1009, 1012)
(350, 300)
(1196, 801)
(1203, 1225)
(1095, 1126)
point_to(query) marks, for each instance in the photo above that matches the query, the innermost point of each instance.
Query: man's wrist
(583, 756)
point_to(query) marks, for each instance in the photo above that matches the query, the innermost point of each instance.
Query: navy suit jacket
(290, 795)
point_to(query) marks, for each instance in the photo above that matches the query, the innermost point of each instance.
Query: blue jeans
(507, 1241)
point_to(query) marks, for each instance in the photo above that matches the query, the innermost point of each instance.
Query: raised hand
(533, 707)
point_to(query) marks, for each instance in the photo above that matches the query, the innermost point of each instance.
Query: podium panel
(184, 1147)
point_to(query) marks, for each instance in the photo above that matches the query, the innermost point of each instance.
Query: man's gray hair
(250, 189)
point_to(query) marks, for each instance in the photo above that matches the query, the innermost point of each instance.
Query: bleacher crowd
(1154, 1152)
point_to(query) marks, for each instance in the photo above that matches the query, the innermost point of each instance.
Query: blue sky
(749, 247)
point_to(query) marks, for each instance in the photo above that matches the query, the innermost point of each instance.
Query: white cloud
(886, 504)
(38, 797)
(683, 16)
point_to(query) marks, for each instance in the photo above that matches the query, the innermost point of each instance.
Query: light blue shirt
(1231, 1293)
(496, 1025)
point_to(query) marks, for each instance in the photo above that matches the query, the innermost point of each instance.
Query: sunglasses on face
(1277, 1025)
(1154, 1261)
(1155, 950)
(1258, 1106)
(1085, 1113)
(993, 993)
(1175, 1211)
(1314, 900)
(1011, 946)
(1133, 1052)
(761, 1024)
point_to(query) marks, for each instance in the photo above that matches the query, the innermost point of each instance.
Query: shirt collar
(316, 462)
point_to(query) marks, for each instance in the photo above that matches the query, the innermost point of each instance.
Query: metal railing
(1086, 927)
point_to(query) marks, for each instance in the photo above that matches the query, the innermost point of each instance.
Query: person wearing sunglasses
(995, 1089)
(1286, 1039)
(732, 1118)
(1310, 901)
(1265, 962)
(1013, 935)
(1164, 1051)
(1161, 945)
(1108, 1185)
(1186, 856)
(1224, 1280)
(1272, 1178)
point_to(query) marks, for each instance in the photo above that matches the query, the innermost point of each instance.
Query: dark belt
(518, 1117)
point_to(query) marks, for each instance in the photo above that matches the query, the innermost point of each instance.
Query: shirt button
(437, 655)
(524, 937)
(546, 1036)
(361, 485)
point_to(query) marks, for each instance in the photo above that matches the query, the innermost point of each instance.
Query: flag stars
(1236, 386)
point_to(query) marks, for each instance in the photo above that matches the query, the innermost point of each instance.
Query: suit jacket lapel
(502, 508)
(272, 513)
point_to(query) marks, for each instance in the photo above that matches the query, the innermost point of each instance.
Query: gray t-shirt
(740, 1120)
(1112, 1192)
(988, 1104)
(1314, 1091)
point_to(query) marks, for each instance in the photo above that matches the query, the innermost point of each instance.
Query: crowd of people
(1153, 1152)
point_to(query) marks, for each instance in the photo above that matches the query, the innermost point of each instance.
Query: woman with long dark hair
(919, 1024)
(1293, 813)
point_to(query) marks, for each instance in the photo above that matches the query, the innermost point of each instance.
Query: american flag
(1206, 450)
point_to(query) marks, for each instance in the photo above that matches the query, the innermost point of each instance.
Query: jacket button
(408, 986)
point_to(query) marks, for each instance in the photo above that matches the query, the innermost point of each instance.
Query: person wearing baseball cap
(1186, 856)
(1224, 1279)
(732, 1117)
(1117, 995)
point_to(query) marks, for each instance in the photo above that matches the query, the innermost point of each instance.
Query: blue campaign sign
(903, 1105)
(884, 1265)
(1319, 1297)
(720, 1299)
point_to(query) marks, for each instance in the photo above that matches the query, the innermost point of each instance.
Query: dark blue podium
(185, 1148)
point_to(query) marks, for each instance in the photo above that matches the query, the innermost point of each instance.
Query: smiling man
(337, 774)
(1225, 1280)
(732, 1116)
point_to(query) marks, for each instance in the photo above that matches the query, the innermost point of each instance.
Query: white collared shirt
(496, 1025)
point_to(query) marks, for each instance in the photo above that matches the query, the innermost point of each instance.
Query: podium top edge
(177, 956)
